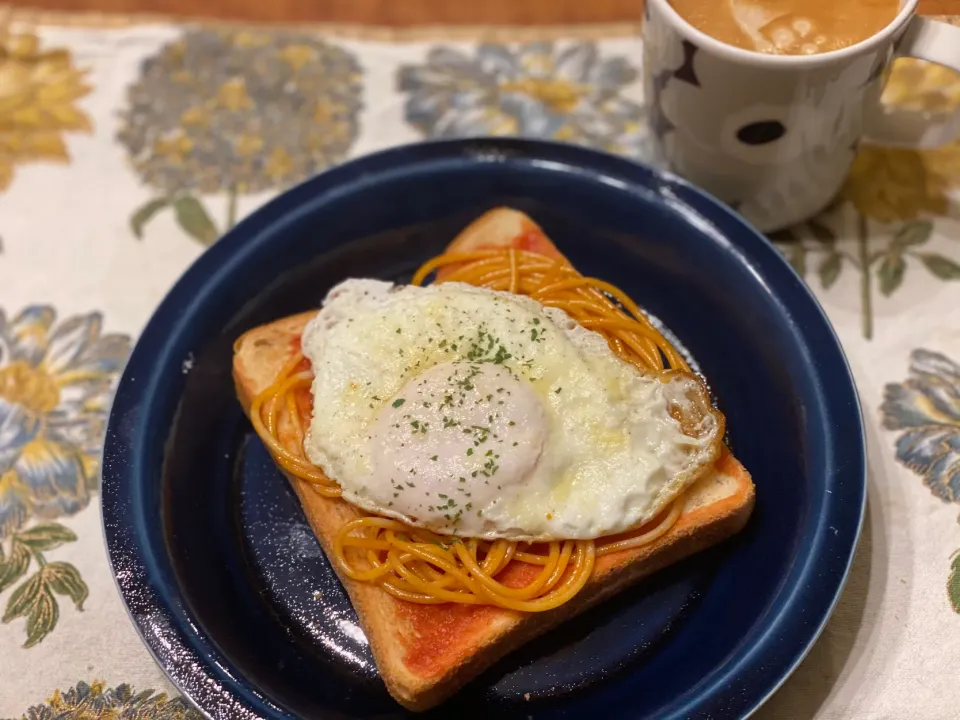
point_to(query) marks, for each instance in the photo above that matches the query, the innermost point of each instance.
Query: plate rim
(120, 472)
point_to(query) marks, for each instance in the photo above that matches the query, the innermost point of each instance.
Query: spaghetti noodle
(423, 567)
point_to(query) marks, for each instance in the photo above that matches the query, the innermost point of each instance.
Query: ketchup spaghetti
(420, 566)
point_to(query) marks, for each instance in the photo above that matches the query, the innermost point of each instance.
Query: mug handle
(937, 42)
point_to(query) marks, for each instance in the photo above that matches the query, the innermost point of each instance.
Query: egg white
(573, 442)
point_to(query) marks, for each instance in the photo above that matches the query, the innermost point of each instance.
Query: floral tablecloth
(126, 147)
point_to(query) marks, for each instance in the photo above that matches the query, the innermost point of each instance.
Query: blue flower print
(56, 381)
(540, 90)
(927, 407)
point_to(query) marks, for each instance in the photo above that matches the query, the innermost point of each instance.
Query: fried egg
(483, 414)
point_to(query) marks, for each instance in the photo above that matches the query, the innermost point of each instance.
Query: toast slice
(499, 228)
(425, 653)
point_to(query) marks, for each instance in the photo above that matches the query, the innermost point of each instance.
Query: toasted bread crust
(425, 653)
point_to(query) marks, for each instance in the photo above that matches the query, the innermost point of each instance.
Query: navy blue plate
(227, 584)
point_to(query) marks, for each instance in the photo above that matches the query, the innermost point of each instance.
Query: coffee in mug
(774, 133)
(788, 27)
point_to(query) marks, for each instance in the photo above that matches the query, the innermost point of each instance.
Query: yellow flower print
(921, 85)
(895, 188)
(278, 164)
(891, 184)
(233, 95)
(560, 96)
(38, 92)
(297, 55)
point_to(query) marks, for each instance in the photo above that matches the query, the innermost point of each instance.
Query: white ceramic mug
(774, 135)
